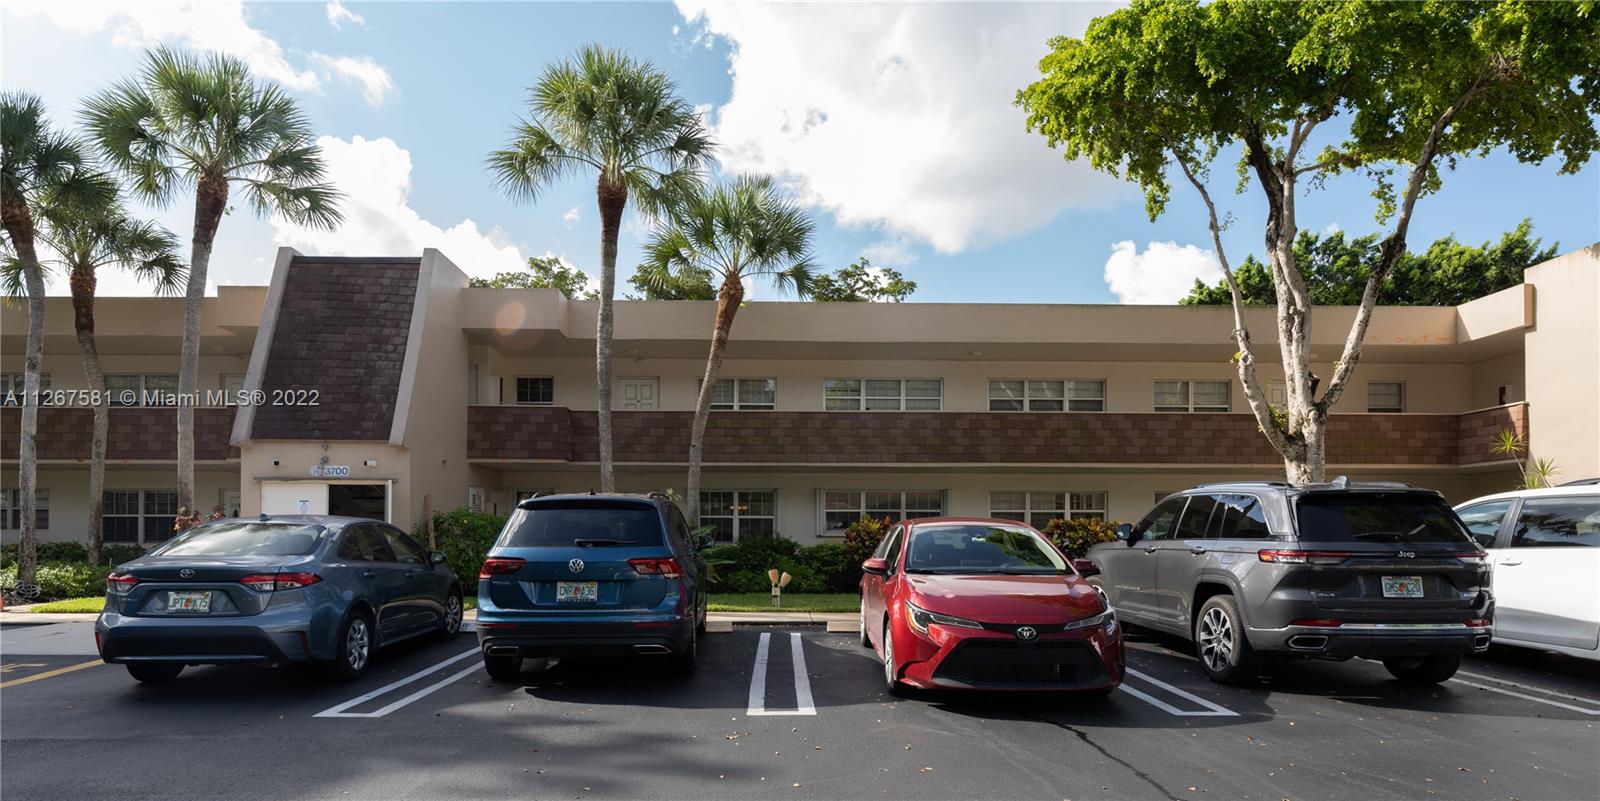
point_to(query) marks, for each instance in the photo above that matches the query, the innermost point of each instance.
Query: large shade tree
(40, 168)
(1397, 92)
(739, 231)
(605, 114)
(204, 123)
(86, 236)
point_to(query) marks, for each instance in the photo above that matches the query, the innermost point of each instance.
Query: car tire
(352, 653)
(891, 671)
(503, 668)
(1221, 644)
(684, 663)
(861, 623)
(704, 616)
(155, 672)
(1430, 669)
(454, 611)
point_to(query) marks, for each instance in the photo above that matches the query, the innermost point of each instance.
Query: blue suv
(592, 575)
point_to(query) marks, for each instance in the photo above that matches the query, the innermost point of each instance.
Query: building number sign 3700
(330, 471)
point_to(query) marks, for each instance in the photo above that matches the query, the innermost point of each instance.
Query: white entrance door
(641, 394)
(294, 497)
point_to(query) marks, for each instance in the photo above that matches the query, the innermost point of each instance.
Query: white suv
(1544, 547)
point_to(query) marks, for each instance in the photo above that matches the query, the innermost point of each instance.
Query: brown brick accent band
(136, 434)
(559, 435)
(1480, 430)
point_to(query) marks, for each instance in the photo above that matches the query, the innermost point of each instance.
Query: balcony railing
(138, 434)
(555, 434)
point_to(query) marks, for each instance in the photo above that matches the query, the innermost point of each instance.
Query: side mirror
(436, 557)
(702, 541)
(876, 567)
(1125, 533)
(1085, 567)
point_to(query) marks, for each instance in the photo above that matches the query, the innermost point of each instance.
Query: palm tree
(37, 166)
(88, 236)
(742, 230)
(621, 119)
(186, 121)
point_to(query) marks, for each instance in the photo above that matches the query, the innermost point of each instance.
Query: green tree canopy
(863, 283)
(544, 272)
(1448, 273)
(688, 282)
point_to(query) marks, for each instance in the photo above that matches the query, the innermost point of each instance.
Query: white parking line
(1212, 710)
(339, 710)
(758, 680)
(1580, 699)
(1526, 697)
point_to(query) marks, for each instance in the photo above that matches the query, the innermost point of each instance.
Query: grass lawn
(91, 604)
(795, 602)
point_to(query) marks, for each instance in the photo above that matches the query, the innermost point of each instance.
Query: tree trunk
(210, 200)
(83, 282)
(613, 198)
(729, 296)
(18, 222)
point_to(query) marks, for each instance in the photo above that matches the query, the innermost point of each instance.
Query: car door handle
(368, 573)
(1150, 550)
(1197, 550)
(1511, 562)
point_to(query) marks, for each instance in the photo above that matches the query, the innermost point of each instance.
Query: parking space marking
(757, 705)
(1212, 709)
(1527, 697)
(339, 710)
(1497, 680)
(49, 673)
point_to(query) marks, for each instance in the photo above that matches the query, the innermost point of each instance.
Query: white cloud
(571, 217)
(1332, 228)
(889, 253)
(375, 177)
(898, 115)
(373, 78)
(338, 15)
(1163, 273)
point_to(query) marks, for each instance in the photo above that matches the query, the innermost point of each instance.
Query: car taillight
(267, 582)
(667, 568)
(499, 567)
(120, 583)
(1318, 622)
(1303, 557)
(1473, 556)
(1477, 623)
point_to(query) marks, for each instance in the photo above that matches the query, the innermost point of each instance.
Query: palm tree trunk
(18, 222)
(211, 199)
(83, 287)
(728, 298)
(613, 197)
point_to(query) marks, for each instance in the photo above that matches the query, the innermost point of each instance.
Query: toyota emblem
(186, 573)
(575, 565)
(1027, 633)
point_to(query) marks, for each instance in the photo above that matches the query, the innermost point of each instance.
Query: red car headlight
(921, 618)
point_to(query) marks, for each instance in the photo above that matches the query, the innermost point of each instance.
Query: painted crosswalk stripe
(757, 705)
(339, 710)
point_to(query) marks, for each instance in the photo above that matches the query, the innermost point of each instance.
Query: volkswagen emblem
(575, 565)
(186, 573)
(1027, 633)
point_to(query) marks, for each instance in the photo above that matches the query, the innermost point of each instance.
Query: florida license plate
(194, 602)
(1402, 586)
(577, 592)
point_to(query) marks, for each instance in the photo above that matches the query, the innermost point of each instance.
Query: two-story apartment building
(370, 383)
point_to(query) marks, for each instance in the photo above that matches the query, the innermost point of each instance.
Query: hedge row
(55, 581)
(69, 551)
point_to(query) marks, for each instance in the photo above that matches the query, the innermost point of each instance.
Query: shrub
(742, 566)
(861, 538)
(71, 551)
(1075, 536)
(117, 554)
(56, 580)
(465, 537)
(830, 561)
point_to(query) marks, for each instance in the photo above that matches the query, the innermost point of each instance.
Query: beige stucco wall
(296, 458)
(69, 492)
(435, 418)
(1563, 363)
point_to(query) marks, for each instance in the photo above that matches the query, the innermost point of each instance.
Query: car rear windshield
(1400, 518)
(245, 539)
(594, 524)
(981, 549)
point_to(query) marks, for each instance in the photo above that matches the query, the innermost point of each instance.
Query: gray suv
(1331, 571)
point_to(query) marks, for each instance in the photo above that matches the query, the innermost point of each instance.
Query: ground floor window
(737, 514)
(138, 515)
(11, 509)
(1037, 509)
(840, 508)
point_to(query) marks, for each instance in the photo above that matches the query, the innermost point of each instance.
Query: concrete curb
(716, 621)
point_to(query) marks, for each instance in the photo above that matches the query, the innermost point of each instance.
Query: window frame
(11, 508)
(739, 405)
(141, 517)
(12, 386)
(1190, 406)
(735, 519)
(1064, 511)
(862, 398)
(516, 390)
(861, 508)
(1400, 409)
(143, 387)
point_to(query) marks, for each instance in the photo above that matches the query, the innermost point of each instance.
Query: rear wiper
(600, 543)
(1394, 536)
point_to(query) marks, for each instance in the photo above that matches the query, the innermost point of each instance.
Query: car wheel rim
(355, 644)
(452, 615)
(1216, 639)
(861, 618)
(888, 657)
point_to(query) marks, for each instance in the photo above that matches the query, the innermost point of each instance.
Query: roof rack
(1256, 482)
(1582, 482)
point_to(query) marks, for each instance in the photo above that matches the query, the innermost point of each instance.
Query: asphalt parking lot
(428, 724)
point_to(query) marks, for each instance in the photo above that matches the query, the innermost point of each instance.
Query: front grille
(999, 663)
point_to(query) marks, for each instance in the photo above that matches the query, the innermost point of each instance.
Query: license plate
(196, 602)
(1402, 586)
(577, 592)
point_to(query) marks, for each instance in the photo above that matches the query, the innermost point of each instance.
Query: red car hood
(1007, 599)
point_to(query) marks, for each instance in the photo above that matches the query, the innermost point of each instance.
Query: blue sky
(893, 123)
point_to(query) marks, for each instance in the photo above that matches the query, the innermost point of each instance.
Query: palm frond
(741, 229)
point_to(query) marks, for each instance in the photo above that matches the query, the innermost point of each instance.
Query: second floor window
(745, 394)
(1017, 395)
(12, 384)
(536, 390)
(141, 389)
(883, 394)
(1386, 396)
(1192, 396)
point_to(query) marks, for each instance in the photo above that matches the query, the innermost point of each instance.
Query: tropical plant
(862, 537)
(1075, 536)
(738, 231)
(1163, 86)
(40, 168)
(544, 272)
(863, 283)
(86, 236)
(621, 119)
(205, 123)
(1532, 475)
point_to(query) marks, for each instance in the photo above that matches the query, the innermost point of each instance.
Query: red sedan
(976, 604)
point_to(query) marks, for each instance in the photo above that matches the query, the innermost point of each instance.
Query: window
(585, 523)
(1239, 517)
(1558, 523)
(840, 508)
(1192, 396)
(363, 543)
(536, 390)
(11, 509)
(1019, 395)
(126, 514)
(739, 513)
(232, 388)
(1037, 509)
(883, 394)
(1278, 393)
(130, 389)
(405, 549)
(472, 383)
(1086, 396)
(13, 384)
(1196, 517)
(1159, 524)
(1483, 520)
(1386, 396)
(744, 394)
